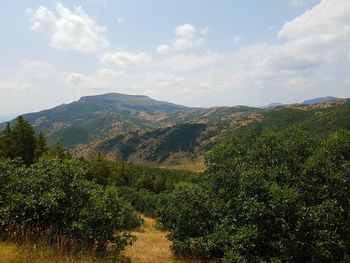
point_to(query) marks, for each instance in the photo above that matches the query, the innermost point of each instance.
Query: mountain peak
(132, 102)
(319, 100)
(272, 104)
(112, 95)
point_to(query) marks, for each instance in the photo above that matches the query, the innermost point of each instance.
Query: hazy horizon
(197, 53)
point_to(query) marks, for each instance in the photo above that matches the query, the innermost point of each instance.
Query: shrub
(267, 198)
(51, 200)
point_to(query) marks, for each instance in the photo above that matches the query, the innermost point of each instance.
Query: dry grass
(152, 246)
(8, 253)
(12, 253)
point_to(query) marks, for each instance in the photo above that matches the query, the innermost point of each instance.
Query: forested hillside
(141, 130)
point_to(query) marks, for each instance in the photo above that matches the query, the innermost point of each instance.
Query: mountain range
(139, 129)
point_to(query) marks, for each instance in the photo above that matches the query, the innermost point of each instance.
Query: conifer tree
(5, 142)
(41, 147)
(59, 151)
(23, 140)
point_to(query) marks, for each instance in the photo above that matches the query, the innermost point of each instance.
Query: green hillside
(319, 120)
(142, 130)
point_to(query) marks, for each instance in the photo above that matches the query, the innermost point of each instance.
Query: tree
(41, 147)
(23, 141)
(100, 170)
(5, 142)
(59, 151)
(50, 201)
(270, 197)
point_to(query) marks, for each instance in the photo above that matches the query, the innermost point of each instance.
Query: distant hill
(135, 128)
(132, 102)
(142, 130)
(319, 100)
(319, 119)
(273, 104)
(85, 120)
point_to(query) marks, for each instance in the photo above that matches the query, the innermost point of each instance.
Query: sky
(193, 52)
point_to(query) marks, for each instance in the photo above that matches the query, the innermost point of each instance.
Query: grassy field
(12, 253)
(8, 253)
(152, 246)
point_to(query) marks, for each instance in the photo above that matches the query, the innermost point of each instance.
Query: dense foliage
(142, 200)
(315, 120)
(267, 198)
(143, 187)
(138, 177)
(46, 195)
(52, 200)
(20, 141)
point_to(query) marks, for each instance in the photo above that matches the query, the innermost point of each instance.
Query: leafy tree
(270, 197)
(100, 170)
(51, 200)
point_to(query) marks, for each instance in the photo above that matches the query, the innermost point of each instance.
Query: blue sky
(197, 53)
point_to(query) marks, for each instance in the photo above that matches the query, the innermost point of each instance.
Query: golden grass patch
(8, 253)
(151, 246)
(12, 253)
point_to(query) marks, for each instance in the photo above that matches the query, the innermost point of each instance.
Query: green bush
(52, 200)
(142, 200)
(267, 198)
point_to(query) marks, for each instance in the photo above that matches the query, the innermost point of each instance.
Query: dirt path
(151, 246)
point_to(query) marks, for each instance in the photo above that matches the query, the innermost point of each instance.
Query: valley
(175, 131)
(140, 130)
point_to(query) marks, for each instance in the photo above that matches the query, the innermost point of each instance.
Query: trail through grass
(152, 246)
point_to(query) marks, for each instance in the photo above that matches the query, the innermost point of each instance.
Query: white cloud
(308, 43)
(163, 48)
(32, 74)
(236, 39)
(109, 73)
(191, 61)
(163, 79)
(36, 72)
(102, 79)
(328, 18)
(185, 37)
(69, 30)
(309, 57)
(76, 79)
(14, 86)
(32, 81)
(320, 35)
(125, 58)
(6, 85)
